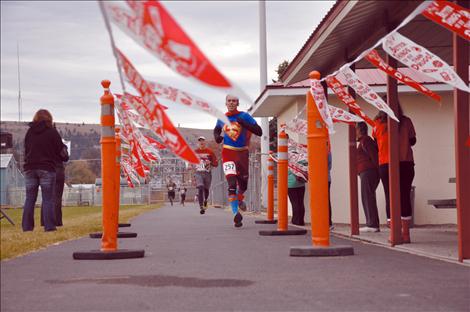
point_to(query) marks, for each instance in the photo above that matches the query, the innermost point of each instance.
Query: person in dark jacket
(43, 146)
(59, 186)
(368, 171)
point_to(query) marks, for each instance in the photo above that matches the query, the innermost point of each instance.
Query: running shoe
(238, 220)
(202, 211)
(241, 205)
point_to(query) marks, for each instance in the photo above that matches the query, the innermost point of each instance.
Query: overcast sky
(65, 52)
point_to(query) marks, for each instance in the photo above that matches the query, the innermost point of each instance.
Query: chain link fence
(89, 195)
(219, 188)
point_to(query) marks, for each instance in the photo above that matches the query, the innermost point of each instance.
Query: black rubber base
(265, 221)
(109, 255)
(283, 233)
(124, 225)
(331, 251)
(119, 235)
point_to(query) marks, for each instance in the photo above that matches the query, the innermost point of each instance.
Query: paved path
(202, 263)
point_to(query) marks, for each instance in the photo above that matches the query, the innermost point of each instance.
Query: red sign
(374, 58)
(451, 16)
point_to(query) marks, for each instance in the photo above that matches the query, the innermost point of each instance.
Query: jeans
(369, 182)
(34, 179)
(296, 197)
(58, 192)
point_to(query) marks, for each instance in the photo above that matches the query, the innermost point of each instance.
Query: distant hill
(85, 138)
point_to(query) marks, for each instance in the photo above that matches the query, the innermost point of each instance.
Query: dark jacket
(367, 154)
(42, 146)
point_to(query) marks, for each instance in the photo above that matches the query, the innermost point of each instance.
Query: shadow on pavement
(159, 281)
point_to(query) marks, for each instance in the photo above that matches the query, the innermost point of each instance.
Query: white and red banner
(151, 26)
(343, 94)
(420, 59)
(296, 168)
(297, 125)
(154, 114)
(318, 94)
(365, 91)
(450, 15)
(187, 99)
(340, 115)
(300, 148)
(147, 151)
(374, 58)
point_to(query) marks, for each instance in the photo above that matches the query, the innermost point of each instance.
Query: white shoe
(367, 229)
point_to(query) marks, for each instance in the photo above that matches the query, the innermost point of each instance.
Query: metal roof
(5, 160)
(351, 27)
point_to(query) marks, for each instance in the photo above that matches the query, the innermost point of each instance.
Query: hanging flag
(297, 125)
(450, 15)
(154, 114)
(366, 92)
(343, 94)
(151, 26)
(420, 59)
(374, 58)
(154, 142)
(187, 99)
(296, 168)
(300, 148)
(147, 151)
(318, 93)
(340, 115)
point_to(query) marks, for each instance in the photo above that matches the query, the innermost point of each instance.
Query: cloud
(65, 52)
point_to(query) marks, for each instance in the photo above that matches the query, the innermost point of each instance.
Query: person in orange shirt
(407, 139)
(203, 173)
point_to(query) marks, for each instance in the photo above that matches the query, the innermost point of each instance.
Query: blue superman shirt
(235, 135)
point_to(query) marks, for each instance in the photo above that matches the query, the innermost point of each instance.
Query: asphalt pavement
(199, 262)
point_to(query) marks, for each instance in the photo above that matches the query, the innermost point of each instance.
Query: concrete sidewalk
(202, 263)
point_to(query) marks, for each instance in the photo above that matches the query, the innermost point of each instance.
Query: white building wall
(433, 152)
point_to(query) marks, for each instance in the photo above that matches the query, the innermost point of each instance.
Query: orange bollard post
(282, 170)
(108, 160)
(282, 163)
(110, 202)
(317, 138)
(270, 208)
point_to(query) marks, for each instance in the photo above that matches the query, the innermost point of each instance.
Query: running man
(171, 187)
(183, 195)
(203, 173)
(236, 138)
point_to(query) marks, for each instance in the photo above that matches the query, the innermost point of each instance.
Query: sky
(65, 52)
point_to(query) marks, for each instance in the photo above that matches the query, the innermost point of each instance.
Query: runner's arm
(253, 128)
(217, 137)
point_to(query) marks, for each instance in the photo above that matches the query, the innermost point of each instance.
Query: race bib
(170, 188)
(230, 168)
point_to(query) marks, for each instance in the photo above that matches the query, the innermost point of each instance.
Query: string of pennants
(150, 25)
(409, 53)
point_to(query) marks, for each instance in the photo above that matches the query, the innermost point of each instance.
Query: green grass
(78, 222)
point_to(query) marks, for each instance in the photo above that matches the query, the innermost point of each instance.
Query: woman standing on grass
(43, 146)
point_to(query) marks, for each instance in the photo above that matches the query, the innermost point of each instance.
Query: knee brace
(232, 185)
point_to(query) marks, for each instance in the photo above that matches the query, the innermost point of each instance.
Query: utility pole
(264, 120)
(19, 82)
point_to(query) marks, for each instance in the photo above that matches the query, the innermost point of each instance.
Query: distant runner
(183, 195)
(203, 172)
(236, 138)
(171, 187)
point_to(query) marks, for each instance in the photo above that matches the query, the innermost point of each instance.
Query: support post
(462, 152)
(393, 164)
(353, 187)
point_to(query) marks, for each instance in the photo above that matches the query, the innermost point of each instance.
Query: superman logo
(233, 130)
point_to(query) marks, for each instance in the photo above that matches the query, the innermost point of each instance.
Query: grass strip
(78, 222)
